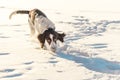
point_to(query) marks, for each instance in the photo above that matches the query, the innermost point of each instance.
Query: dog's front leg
(41, 40)
(42, 45)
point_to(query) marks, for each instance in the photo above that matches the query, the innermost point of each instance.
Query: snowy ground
(90, 52)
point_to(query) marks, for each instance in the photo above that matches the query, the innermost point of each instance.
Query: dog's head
(49, 39)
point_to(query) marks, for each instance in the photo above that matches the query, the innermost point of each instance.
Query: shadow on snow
(95, 64)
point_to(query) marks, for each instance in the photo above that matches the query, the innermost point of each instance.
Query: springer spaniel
(39, 23)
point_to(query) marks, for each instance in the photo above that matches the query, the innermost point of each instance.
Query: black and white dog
(39, 23)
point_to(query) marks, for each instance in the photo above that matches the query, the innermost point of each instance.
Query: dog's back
(42, 23)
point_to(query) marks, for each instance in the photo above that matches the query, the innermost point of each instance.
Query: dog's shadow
(95, 64)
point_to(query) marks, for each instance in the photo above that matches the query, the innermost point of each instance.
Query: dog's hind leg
(32, 28)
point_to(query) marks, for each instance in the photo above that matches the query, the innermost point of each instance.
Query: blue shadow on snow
(95, 64)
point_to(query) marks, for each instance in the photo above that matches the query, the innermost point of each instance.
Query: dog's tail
(19, 12)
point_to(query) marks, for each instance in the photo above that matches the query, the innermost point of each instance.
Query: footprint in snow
(13, 75)
(28, 63)
(41, 79)
(4, 54)
(53, 61)
(4, 37)
(7, 70)
(98, 45)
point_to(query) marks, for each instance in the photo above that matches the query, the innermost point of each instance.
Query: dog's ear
(41, 38)
(61, 37)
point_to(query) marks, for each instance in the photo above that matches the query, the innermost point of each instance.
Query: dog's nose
(53, 49)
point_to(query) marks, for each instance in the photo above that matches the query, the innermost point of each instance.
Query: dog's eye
(55, 40)
(49, 41)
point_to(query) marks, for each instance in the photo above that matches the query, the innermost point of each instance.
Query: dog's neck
(50, 30)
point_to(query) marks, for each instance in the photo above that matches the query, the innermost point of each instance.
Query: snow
(90, 51)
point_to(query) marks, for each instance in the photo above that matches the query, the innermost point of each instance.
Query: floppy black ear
(61, 37)
(41, 38)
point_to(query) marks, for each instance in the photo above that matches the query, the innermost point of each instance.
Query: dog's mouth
(50, 48)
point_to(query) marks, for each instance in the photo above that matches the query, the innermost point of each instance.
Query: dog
(45, 28)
